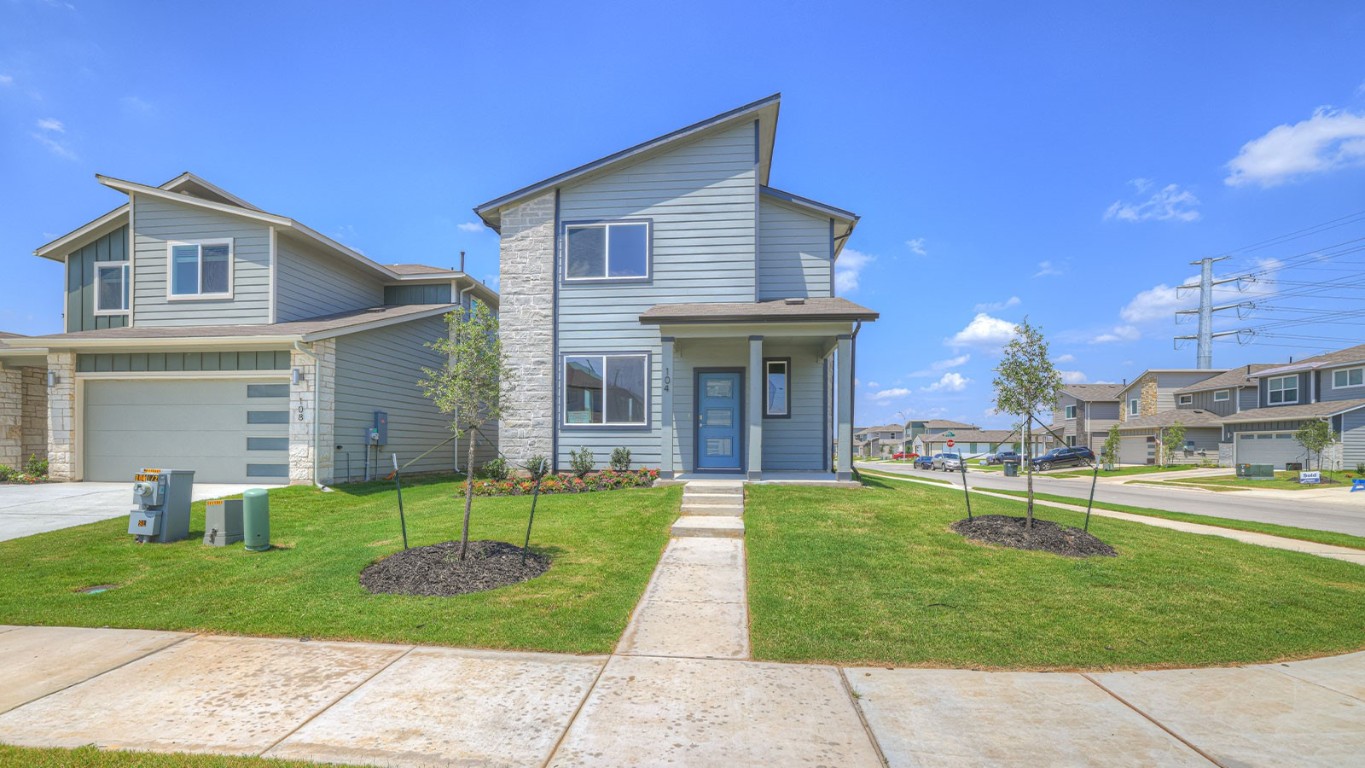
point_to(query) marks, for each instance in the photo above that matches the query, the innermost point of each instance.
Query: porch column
(666, 415)
(844, 408)
(753, 408)
(11, 417)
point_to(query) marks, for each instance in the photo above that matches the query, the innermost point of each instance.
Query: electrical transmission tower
(1206, 309)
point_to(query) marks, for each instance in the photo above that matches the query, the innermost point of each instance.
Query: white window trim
(606, 250)
(1185, 400)
(1268, 391)
(1134, 407)
(1069, 411)
(564, 391)
(1347, 371)
(170, 269)
(127, 289)
(1222, 396)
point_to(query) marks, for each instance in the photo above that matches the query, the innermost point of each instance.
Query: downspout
(853, 396)
(317, 393)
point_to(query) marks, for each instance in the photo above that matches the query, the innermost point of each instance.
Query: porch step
(706, 526)
(712, 510)
(710, 498)
(699, 488)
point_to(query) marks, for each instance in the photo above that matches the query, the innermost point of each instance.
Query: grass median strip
(875, 576)
(603, 547)
(54, 757)
(1284, 531)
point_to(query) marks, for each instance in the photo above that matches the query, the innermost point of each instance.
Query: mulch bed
(437, 571)
(1045, 536)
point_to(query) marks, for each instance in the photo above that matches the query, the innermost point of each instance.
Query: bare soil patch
(1045, 536)
(438, 571)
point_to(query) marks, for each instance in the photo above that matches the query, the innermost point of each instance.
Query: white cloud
(938, 366)
(916, 246)
(886, 395)
(848, 268)
(469, 226)
(873, 384)
(1161, 301)
(996, 306)
(55, 147)
(1072, 377)
(6, 79)
(1067, 358)
(52, 124)
(1170, 203)
(492, 281)
(136, 106)
(949, 382)
(1328, 140)
(1116, 334)
(984, 331)
(1046, 268)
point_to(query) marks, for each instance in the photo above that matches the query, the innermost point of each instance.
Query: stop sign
(950, 443)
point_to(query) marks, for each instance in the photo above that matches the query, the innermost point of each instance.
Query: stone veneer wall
(322, 374)
(61, 417)
(11, 417)
(34, 414)
(1147, 404)
(526, 322)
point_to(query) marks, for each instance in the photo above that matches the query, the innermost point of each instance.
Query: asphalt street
(1343, 513)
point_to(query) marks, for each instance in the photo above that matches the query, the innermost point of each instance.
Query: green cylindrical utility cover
(256, 520)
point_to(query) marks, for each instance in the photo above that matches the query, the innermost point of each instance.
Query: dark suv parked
(1000, 457)
(1064, 457)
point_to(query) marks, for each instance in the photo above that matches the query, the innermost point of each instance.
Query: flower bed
(606, 480)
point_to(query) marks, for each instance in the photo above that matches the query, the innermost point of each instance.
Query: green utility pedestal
(256, 519)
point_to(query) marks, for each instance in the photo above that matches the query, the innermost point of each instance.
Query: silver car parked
(948, 462)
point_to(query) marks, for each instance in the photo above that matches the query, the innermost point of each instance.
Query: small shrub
(6, 473)
(1360, 468)
(496, 469)
(36, 466)
(620, 459)
(607, 480)
(582, 462)
(538, 467)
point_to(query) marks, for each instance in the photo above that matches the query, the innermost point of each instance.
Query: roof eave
(732, 319)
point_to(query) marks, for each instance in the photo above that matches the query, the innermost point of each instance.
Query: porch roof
(773, 311)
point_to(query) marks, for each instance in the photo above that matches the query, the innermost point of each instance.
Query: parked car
(903, 456)
(948, 462)
(925, 462)
(1000, 457)
(1071, 456)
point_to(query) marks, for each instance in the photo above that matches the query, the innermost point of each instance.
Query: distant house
(880, 442)
(1200, 408)
(917, 427)
(1328, 387)
(1085, 412)
(974, 443)
(1153, 403)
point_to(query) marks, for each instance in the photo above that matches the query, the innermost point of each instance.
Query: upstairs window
(1133, 407)
(200, 270)
(1283, 390)
(1348, 377)
(1187, 400)
(611, 251)
(111, 288)
(606, 390)
(1222, 396)
(1070, 411)
(776, 375)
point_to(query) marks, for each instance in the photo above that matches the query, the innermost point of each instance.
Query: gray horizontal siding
(1328, 392)
(797, 443)
(1353, 438)
(1168, 383)
(157, 222)
(688, 356)
(183, 361)
(80, 282)
(399, 295)
(793, 252)
(378, 371)
(310, 283)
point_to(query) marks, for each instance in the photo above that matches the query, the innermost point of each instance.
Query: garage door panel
(1135, 450)
(202, 425)
(1269, 448)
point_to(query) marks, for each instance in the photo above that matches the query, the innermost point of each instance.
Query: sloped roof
(1188, 417)
(1237, 377)
(945, 424)
(776, 310)
(1346, 356)
(886, 428)
(420, 269)
(972, 436)
(6, 335)
(1291, 412)
(1094, 392)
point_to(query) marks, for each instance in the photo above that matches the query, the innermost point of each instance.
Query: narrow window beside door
(777, 375)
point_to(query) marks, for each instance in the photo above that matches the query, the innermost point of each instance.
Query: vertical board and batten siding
(1328, 392)
(1204, 401)
(378, 371)
(797, 443)
(701, 198)
(1247, 398)
(793, 252)
(1353, 438)
(311, 283)
(80, 282)
(157, 222)
(401, 295)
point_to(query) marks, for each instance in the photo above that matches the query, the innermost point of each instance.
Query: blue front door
(718, 420)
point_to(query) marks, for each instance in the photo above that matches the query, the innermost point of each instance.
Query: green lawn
(1123, 471)
(603, 546)
(1284, 481)
(98, 758)
(874, 576)
(1285, 531)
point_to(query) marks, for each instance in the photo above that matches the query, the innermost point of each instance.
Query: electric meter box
(163, 498)
(380, 435)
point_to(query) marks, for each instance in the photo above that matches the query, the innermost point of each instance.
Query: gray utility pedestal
(222, 522)
(163, 498)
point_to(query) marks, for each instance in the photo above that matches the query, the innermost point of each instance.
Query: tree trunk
(1028, 440)
(468, 495)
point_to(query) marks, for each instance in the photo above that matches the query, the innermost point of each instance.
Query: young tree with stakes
(1315, 436)
(1172, 439)
(1109, 452)
(469, 387)
(1026, 382)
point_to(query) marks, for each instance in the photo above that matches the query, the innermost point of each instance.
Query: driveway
(29, 509)
(1343, 515)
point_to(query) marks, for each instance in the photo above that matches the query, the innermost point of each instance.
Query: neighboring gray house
(1085, 412)
(1151, 405)
(880, 442)
(1328, 387)
(916, 427)
(669, 300)
(204, 333)
(973, 443)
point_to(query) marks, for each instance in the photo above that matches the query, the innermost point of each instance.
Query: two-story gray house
(1152, 404)
(669, 300)
(1085, 412)
(1328, 387)
(204, 333)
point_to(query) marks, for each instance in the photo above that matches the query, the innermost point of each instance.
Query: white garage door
(1137, 450)
(1268, 448)
(226, 430)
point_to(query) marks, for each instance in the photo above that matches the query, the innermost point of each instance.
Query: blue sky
(1060, 161)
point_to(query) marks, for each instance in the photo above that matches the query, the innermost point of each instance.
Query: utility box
(222, 522)
(381, 428)
(163, 498)
(1256, 471)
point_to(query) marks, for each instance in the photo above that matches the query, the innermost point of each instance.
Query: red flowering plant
(606, 480)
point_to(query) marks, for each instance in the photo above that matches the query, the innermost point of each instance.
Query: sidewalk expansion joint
(862, 717)
(1155, 722)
